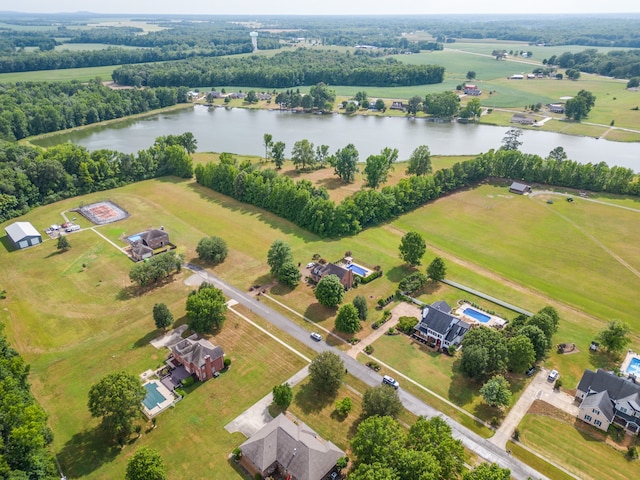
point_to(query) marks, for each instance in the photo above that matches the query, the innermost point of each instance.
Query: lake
(241, 131)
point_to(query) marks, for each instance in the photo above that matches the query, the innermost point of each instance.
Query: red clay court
(101, 213)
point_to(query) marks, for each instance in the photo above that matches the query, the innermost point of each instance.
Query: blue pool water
(154, 397)
(134, 238)
(481, 317)
(634, 367)
(357, 270)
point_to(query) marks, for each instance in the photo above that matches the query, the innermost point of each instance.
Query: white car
(311, 264)
(553, 375)
(316, 336)
(392, 382)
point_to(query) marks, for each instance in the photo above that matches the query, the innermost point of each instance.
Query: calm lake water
(241, 131)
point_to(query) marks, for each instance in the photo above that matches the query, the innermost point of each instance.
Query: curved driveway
(471, 440)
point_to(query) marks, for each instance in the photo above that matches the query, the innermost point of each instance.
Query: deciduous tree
(412, 248)
(116, 398)
(212, 249)
(346, 163)
(329, 291)
(63, 243)
(326, 372)
(207, 309)
(378, 439)
(347, 320)
(615, 337)
(302, 154)
(419, 161)
(434, 436)
(267, 140)
(521, 353)
(162, 317)
(146, 464)
(511, 140)
(344, 406)
(282, 395)
(360, 302)
(496, 392)
(487, 471)
(437, 270)
(277, 154)
(279, 254)
(382, 400)
(289, 274)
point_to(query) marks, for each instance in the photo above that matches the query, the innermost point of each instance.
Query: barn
(23, 234)
(519, 188)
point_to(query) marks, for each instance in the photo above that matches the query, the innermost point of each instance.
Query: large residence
(606, 398)
(291, 449)
(472, 90)
(198, 356)
(438, 327)
(344, 274)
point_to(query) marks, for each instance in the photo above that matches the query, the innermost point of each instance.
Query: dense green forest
(286, 69)
(24, 434)
(32, 108)
(616, 63)
(310, 208)
(30, 176)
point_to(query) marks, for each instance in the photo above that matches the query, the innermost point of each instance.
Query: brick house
(154, 238)
(198, 356)
(344, 274)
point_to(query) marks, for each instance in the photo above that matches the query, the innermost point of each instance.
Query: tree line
(33, 108)
(309, 207)
(30, 177)
(24, 434)
(614, 63)
(286, 69)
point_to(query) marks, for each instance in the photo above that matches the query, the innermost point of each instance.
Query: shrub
(237, 453)
(187, 381)
(375, 325)
(414, 282)
(227, 362)
(632, 452)
(407, 324)
(344, 406)
(516, 435)
(392, 331)
(558, 384)
(368, 349)
(371, 277)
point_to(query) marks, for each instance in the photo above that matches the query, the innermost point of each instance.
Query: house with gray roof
(291, 448)
(519, 188)
(606, 398)
(154, 238)
(438, 327)
(198, 356)
(23, 235)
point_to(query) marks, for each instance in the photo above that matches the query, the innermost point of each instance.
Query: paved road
(474, 442)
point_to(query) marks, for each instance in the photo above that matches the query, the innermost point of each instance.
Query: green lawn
(80, 74)
(584, 455)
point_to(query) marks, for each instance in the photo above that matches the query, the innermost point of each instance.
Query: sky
(332, 7)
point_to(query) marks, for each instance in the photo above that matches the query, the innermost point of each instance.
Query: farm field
(74, 318)
(65, 75)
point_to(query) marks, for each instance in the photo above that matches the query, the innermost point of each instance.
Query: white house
(23, 235)
(439, 328)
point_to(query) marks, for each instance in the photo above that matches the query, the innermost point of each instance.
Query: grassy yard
(80, 74)
(575, 446)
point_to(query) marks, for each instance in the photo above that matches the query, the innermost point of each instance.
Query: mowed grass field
(75, 319)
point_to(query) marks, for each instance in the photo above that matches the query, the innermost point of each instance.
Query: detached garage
(23, 235)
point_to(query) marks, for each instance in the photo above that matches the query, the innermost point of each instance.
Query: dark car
(531, 371)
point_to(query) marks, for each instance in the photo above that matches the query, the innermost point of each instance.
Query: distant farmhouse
(556, 107)
(519, 188)
(398, 106)
(344, 274)
(606, 398)
(286, 448)
(145, 243)
(23, 235)
(472, 90)
(522, 119)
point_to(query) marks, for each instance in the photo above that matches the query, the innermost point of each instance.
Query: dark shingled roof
(442, 306)
(332, 269)
(195, 350)
(437, 320)
(602, 402)
(295, 446)
(599, 381)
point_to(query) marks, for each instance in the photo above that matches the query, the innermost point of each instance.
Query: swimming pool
(134, 238)
(357, 269)
(473, 313)
(154, 397)
(634, 367)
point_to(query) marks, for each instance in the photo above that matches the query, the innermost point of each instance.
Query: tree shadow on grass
(143, 341)
(397, 273)
(310, 400)
(461, 389)
(319, 313)
(85, 452)
(604, 360)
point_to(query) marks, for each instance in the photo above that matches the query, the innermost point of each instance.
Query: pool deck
(627, 361)
(494, 320)
(170, 399)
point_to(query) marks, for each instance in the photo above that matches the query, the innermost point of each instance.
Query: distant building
(155, 238)
(516, 77)
(23, 235)
(398, 106)
(522, 119)
(472, 90)
(556, 107)
(519, 188)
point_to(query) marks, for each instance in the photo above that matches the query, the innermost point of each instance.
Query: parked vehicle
(553, 375)
(392, 382)
(316, 336)
(531, 371)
